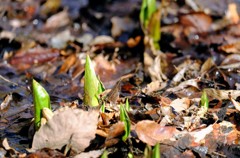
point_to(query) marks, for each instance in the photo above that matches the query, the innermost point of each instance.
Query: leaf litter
(49, 41)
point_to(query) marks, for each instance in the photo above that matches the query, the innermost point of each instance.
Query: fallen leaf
(180, 104)
(231, 48)
(6, 102)
(207, 65)
(72, 127)
(154, 86)
(221, 94)
(199, 22)
(235, 103)
(68, 63)
(91, 154)
(57, 20)
(151, 133)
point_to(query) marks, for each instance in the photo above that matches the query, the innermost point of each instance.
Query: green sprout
(105, 154)
(92, 85)
(204, 101)
(147, 9)
(102, 108)
(156, 151)
(125, 119)
(41, 100)
(152, 152)
(127, 105)
(150, 17)
(130, 155)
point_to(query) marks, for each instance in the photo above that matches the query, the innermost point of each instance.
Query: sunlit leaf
(92, 86)
(156, 151)
(125, 119)
(41, 100)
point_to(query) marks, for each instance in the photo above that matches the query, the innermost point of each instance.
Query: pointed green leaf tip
(92, 86)
(147, 9)
(156, 151)
(41, 100)
(204, 101)
(126, 120)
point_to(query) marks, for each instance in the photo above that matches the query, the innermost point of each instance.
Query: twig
(7, 80)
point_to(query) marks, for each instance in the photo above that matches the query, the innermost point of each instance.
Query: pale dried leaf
(6, 102)
(58, 20)
(180, 75)
(184, 84)
(207, 65)
(180, 104)
(72, 127)
(235, 103)
(155, 70)
(154, 86)
(91, 154)
(103, 39)
(221, 94)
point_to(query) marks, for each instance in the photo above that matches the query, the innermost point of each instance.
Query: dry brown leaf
(116, 130)
(154, 86)
(184, 84)
(221, 94)
(151, 133)
(231, 48)
(57, 20)
(68, 63)
(207, 65)
(200, 22)
(72, 127)
(180, 104)
(103, 39)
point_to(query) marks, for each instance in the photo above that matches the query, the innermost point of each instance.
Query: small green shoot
(92, 85)
(102, 108)
(127, 105)
(156, 151)
(105, 154)
(150, 17)
(147, 9)
(41, 100)
(204, 101)
(147, 151)
(154, 28)
(125, 119)
(152, 152)
(130, 155)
